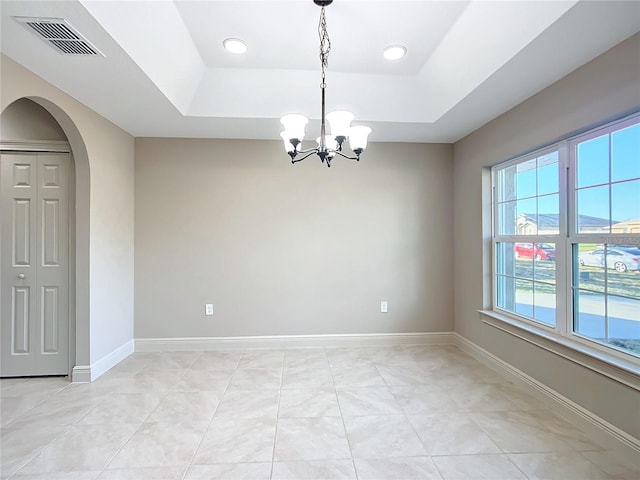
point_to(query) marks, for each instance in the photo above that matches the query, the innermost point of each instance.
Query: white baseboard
(600, 429)
(112, 359)
(88, 373)
(81, 374)
(291, 341)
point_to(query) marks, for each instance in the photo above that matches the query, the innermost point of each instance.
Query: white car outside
(621, 259)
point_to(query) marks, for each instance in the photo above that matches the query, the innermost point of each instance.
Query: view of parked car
(539, 251)
(618, 258)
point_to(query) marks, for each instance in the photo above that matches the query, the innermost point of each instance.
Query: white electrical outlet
(208, 309)
(384, 307)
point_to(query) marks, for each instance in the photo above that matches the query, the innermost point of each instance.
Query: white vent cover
(58, 33)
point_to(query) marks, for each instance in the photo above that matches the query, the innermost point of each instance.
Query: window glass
(624, 323)
(607, 295)
(593, 162)
(507, 218)
(526, 277)
(593, 210)
(528, 207)
(549, 214)
(625, 205)
(544, 257)
(527, 217)
(506, 185)
(506, 287)
(506, 254)
(528, 202)
(545, 303)
(526, 179)
(589, 318)
(506, 275)
(608, 182)
(548, 174)
(590, 273)
(625, 153)
(524, 298)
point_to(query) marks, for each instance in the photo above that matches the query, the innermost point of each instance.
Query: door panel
(34, 280)
(21, 232)
(49, 319)
(50, 174)
(20, 320)
(22, 174)
(50, 232)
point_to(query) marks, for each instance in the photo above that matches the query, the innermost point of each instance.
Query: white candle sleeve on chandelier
(329, 142)
(294, 124)
(340, 122)
(358, 137)
(288, 146)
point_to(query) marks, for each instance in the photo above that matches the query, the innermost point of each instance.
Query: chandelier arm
(308, 154)
(338, 152)
(308, 150)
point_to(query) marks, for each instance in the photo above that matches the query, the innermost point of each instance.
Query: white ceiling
(165, 73)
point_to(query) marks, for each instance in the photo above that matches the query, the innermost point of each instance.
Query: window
(527, 226)
(567, 259)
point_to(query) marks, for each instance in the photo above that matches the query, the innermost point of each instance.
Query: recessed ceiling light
(235, 45)
(394, 52)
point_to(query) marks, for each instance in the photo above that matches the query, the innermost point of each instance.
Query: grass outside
(626, 344)
(587, 247)
(591, 281)
(626, 284)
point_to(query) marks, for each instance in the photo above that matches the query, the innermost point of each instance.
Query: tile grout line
(62, 433)
(275, 433)
(344, 426)
(515, 465)
(204, 433)
(161, 398)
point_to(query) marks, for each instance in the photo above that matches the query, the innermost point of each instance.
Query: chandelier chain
(325, 45)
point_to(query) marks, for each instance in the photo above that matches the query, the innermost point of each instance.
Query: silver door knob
(21, 276)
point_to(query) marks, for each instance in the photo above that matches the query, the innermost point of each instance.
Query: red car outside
(539, 251)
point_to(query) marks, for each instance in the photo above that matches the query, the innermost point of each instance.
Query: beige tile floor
(412, 412)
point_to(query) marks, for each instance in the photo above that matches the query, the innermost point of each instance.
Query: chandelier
(340, 121)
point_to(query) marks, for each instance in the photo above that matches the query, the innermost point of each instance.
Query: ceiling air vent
(58, 33)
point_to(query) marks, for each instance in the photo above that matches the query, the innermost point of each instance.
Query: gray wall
(281, 249)
(26, 120)
(606, 87)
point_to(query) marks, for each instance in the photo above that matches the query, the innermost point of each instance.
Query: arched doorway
(38, 124)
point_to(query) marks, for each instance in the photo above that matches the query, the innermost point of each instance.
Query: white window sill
(624, 371)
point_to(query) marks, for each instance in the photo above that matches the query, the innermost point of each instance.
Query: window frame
(567, 237)
(522, 238)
